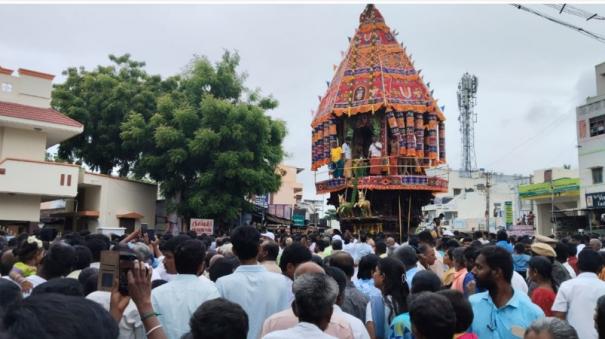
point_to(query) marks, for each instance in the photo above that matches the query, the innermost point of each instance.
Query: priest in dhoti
(348, 158)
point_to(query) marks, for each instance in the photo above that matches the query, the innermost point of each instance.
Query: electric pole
(487, 186)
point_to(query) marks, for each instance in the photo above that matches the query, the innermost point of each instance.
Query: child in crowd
(29, 254)
(520, 259)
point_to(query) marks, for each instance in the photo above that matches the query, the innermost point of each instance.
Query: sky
(532, 72)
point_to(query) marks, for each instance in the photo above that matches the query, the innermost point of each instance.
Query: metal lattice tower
(467, 100)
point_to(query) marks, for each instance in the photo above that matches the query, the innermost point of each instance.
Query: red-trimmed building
(70, 198)
(376, 92)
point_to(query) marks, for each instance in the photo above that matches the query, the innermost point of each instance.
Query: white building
(464, 205)
(591, 152)
(28, 126)
(67, 195)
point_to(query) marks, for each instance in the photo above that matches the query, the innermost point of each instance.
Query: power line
(565, 8)
(555, 122)
(581, 30)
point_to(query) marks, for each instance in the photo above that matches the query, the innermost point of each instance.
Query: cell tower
(467, 100)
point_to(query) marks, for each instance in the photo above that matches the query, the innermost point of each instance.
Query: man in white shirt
(348, 157)
(375, 153)
(177, 300)
(259, 292)
(576, 299)
(166, 270)
(314, 297)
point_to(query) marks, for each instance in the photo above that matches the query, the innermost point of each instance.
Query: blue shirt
(259, 292)
(520, 262)
(409, 276)
(507, 322)
(176, 301)
(506, 245)
(367, 287)
(401, 327)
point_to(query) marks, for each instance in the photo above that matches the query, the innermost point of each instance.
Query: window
(6, 87)
(457, 191)
(597, 175)
(548, 175)
(597, 126)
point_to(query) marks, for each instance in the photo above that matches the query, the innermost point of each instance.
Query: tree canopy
(101, 99)
(207, 145)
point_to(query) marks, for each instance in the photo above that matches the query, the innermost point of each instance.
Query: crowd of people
(253, 285)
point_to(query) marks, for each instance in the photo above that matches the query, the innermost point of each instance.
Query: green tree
(207, 145)
(101, 99)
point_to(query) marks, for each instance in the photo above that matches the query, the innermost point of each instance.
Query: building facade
(554, 193)
(35, 192)
(464, 205)
(590, 119)
(28, 126)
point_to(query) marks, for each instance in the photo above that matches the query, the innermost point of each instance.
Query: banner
(202, 226)
(521, 230)
(595, 200)
(508, 213)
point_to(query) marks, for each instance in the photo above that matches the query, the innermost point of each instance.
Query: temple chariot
(378, 135)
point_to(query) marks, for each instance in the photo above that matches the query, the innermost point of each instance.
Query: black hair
(340, 277)
(542, 266)
(462, 309)
(452, 243)
(88, 279)
(245, 240)
(219, 318)
(294, 254)
(272, 249)
(381, 247)
(189, 256)
(337, 245)
(65, 286)
(171, 244)
(432, 315)
(589, 261)
(9, 293)
(222, 267)
(344, 261)
(7, 260)
(58, 261)
(363, 236)
(367, 264)
(470, 254)
(600, 316)
(572, 250)
(519, 248)
(425, 281)
(96, 246)
(157, 283)
(561, 252)
(27, 251)
(83, 257)
(426, 237)
(208, 256)
(502, 236)
(51, 315)
(497, 257)
(48, 234)
(318, 260)
(395, 290)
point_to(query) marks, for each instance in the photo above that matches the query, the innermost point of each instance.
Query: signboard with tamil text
(521, 230)
(202, 226)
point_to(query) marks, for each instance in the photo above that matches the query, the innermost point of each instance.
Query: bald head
(307, 267)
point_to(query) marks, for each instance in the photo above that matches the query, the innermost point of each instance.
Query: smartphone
(115, 264)
(144, 228)
(151, 235)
